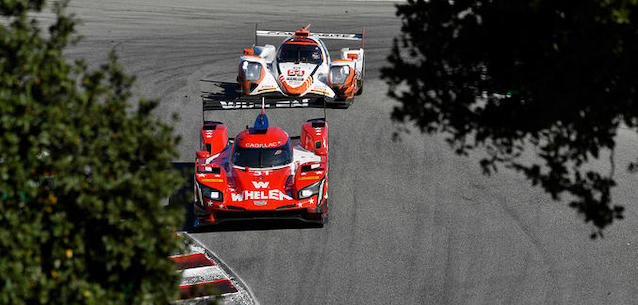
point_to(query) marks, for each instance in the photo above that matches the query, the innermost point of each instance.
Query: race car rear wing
(262, 101)
(268, 101)
(343, 36)
(340, 36)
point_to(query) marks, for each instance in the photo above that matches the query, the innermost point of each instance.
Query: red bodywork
(270, 192)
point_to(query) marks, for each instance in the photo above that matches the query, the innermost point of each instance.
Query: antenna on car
(261, 123)
(363, 35)
(256, 34)
(325, 117)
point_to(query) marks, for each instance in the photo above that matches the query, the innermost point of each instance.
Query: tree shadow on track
(184, 195)
(255, 225)
(229, 91)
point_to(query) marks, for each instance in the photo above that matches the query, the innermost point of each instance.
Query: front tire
(324, 219)
(342, 104)
(320, 222)
(320, 218)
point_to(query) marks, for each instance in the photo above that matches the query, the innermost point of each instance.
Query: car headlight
(211, 193)
(339, 74)
(310, 190)
(252, 70)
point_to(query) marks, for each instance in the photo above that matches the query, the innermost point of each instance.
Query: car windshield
(262, 157)
(299, 53)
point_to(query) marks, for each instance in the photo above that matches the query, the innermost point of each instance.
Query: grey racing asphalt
(410, 222)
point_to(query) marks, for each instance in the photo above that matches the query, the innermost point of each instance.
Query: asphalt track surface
(410, 222)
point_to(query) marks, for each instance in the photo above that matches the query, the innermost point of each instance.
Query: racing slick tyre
(342, 104)
(200, 217)
(321, 220)
(363, 73)
(324, 219)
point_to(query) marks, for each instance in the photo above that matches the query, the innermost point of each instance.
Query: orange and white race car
(301, 69)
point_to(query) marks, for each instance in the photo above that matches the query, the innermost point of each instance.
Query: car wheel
(324, 219)
(345, 105)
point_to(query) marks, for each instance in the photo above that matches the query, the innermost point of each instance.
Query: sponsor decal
(260, 184)
(267, 89)
(240, 105)
(212, 180)
(260, 195)
(339, 36)
(260, 202)
(252, 105)
(320, 92)
(296, 71)
(261, 173)
(273, 33)
(293, 103)
(260, 145)
(309, 178)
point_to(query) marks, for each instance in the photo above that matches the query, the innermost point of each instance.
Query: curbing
(240, 293)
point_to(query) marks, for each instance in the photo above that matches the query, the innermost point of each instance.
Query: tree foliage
(553, 78)
(82, 175)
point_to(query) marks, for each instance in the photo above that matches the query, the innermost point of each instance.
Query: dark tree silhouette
(551, 78)
(82, 174)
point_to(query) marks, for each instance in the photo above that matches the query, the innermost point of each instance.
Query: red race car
(262, 173)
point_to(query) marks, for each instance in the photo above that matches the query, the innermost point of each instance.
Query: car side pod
(214, 137)
(251, 71)
(342, 78)
(314, 136)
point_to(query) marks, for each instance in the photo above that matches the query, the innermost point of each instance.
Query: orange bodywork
(295, 90)
(348, 89)
(302, 43)
(245, 85)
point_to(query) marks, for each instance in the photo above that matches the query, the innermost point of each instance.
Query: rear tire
(346, 103)
(362, 76)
